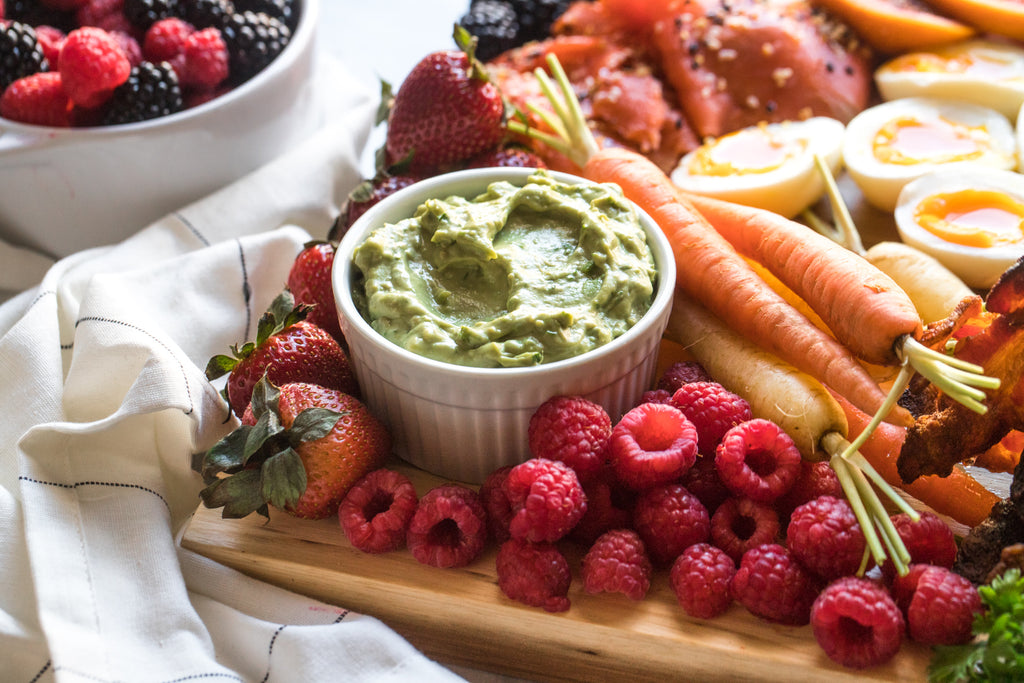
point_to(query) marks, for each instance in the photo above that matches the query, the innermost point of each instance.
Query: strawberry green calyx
(466, 42)
(257, 464)
(282, 314)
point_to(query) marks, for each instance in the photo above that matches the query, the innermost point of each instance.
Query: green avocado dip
(517, 276)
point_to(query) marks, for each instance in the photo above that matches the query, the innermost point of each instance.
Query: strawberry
(365, 195)
(507, 156)
(288, 348)
(309, 281)
(445, 111)
(300, 448)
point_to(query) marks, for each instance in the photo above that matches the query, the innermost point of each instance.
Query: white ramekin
(460, 422)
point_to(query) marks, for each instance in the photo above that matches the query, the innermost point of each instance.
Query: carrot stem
(906, 373)
(846, 227)
(846, 481)
(856, 476)
(959, 380)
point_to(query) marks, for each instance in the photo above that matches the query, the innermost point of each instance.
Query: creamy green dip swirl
(517, 276)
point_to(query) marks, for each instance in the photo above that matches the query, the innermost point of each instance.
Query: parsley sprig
(997, 652)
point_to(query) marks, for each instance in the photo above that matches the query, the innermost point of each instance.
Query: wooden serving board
(460, 617)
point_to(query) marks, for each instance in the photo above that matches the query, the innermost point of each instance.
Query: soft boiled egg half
(980, 71)
(888, 145)
(969, 218)
(770, 165)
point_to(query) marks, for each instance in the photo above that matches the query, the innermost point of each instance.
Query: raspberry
(652, 444)
(856, 623)
(104, 14)
(903, 587)
(92, 65)
(700, 579)
(608, 507)
(825, 537)
(656, 396)
(680, 373)
(757, 460)
(771, 584)
(573, 430)
(37, 99)
(495, 502)
(375, 512)
(131, 48)
(702, 480)
(206, 59)
(547, 500)
(740, 524)
(51, 40)
(21, 53)
(712, 409)
(815, 479)
(941, 606)
(449, 527)
(165, 39)
(617, 562)
(929, 541)
(535, 574)
(670, 519)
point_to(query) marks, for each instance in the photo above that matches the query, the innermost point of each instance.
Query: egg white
(978, 267)
(880, 181)
(787, 188)
(979, 71)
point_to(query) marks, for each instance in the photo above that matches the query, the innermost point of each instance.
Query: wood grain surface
(460, 617)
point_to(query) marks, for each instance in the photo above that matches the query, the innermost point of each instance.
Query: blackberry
(151, 91)
(254, 39)
(285, 10)
(144, 13)
(20, 53)
(35, 13)
(495, 26)
(535, 17)
(205, 13)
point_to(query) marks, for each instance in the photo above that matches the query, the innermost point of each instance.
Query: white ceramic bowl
(67, 189)
(460, 422)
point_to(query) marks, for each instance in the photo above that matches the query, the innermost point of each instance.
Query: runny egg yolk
(747, 151)
(909, 140)
(965, 63)
(973, 218)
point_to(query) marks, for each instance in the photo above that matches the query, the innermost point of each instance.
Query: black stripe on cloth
(111, 484)
(184, 374)
(193, 229)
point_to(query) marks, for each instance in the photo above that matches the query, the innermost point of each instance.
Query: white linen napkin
(104, 401)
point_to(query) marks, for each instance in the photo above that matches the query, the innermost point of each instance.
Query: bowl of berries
(113, 114)
(470, 298)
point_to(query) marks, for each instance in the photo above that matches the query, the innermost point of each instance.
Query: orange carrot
(958, 496)
(1003, 456)
(863, 306)
(711, 271)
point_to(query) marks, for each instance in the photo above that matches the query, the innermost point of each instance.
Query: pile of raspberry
(78, 63)
(686, 487)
